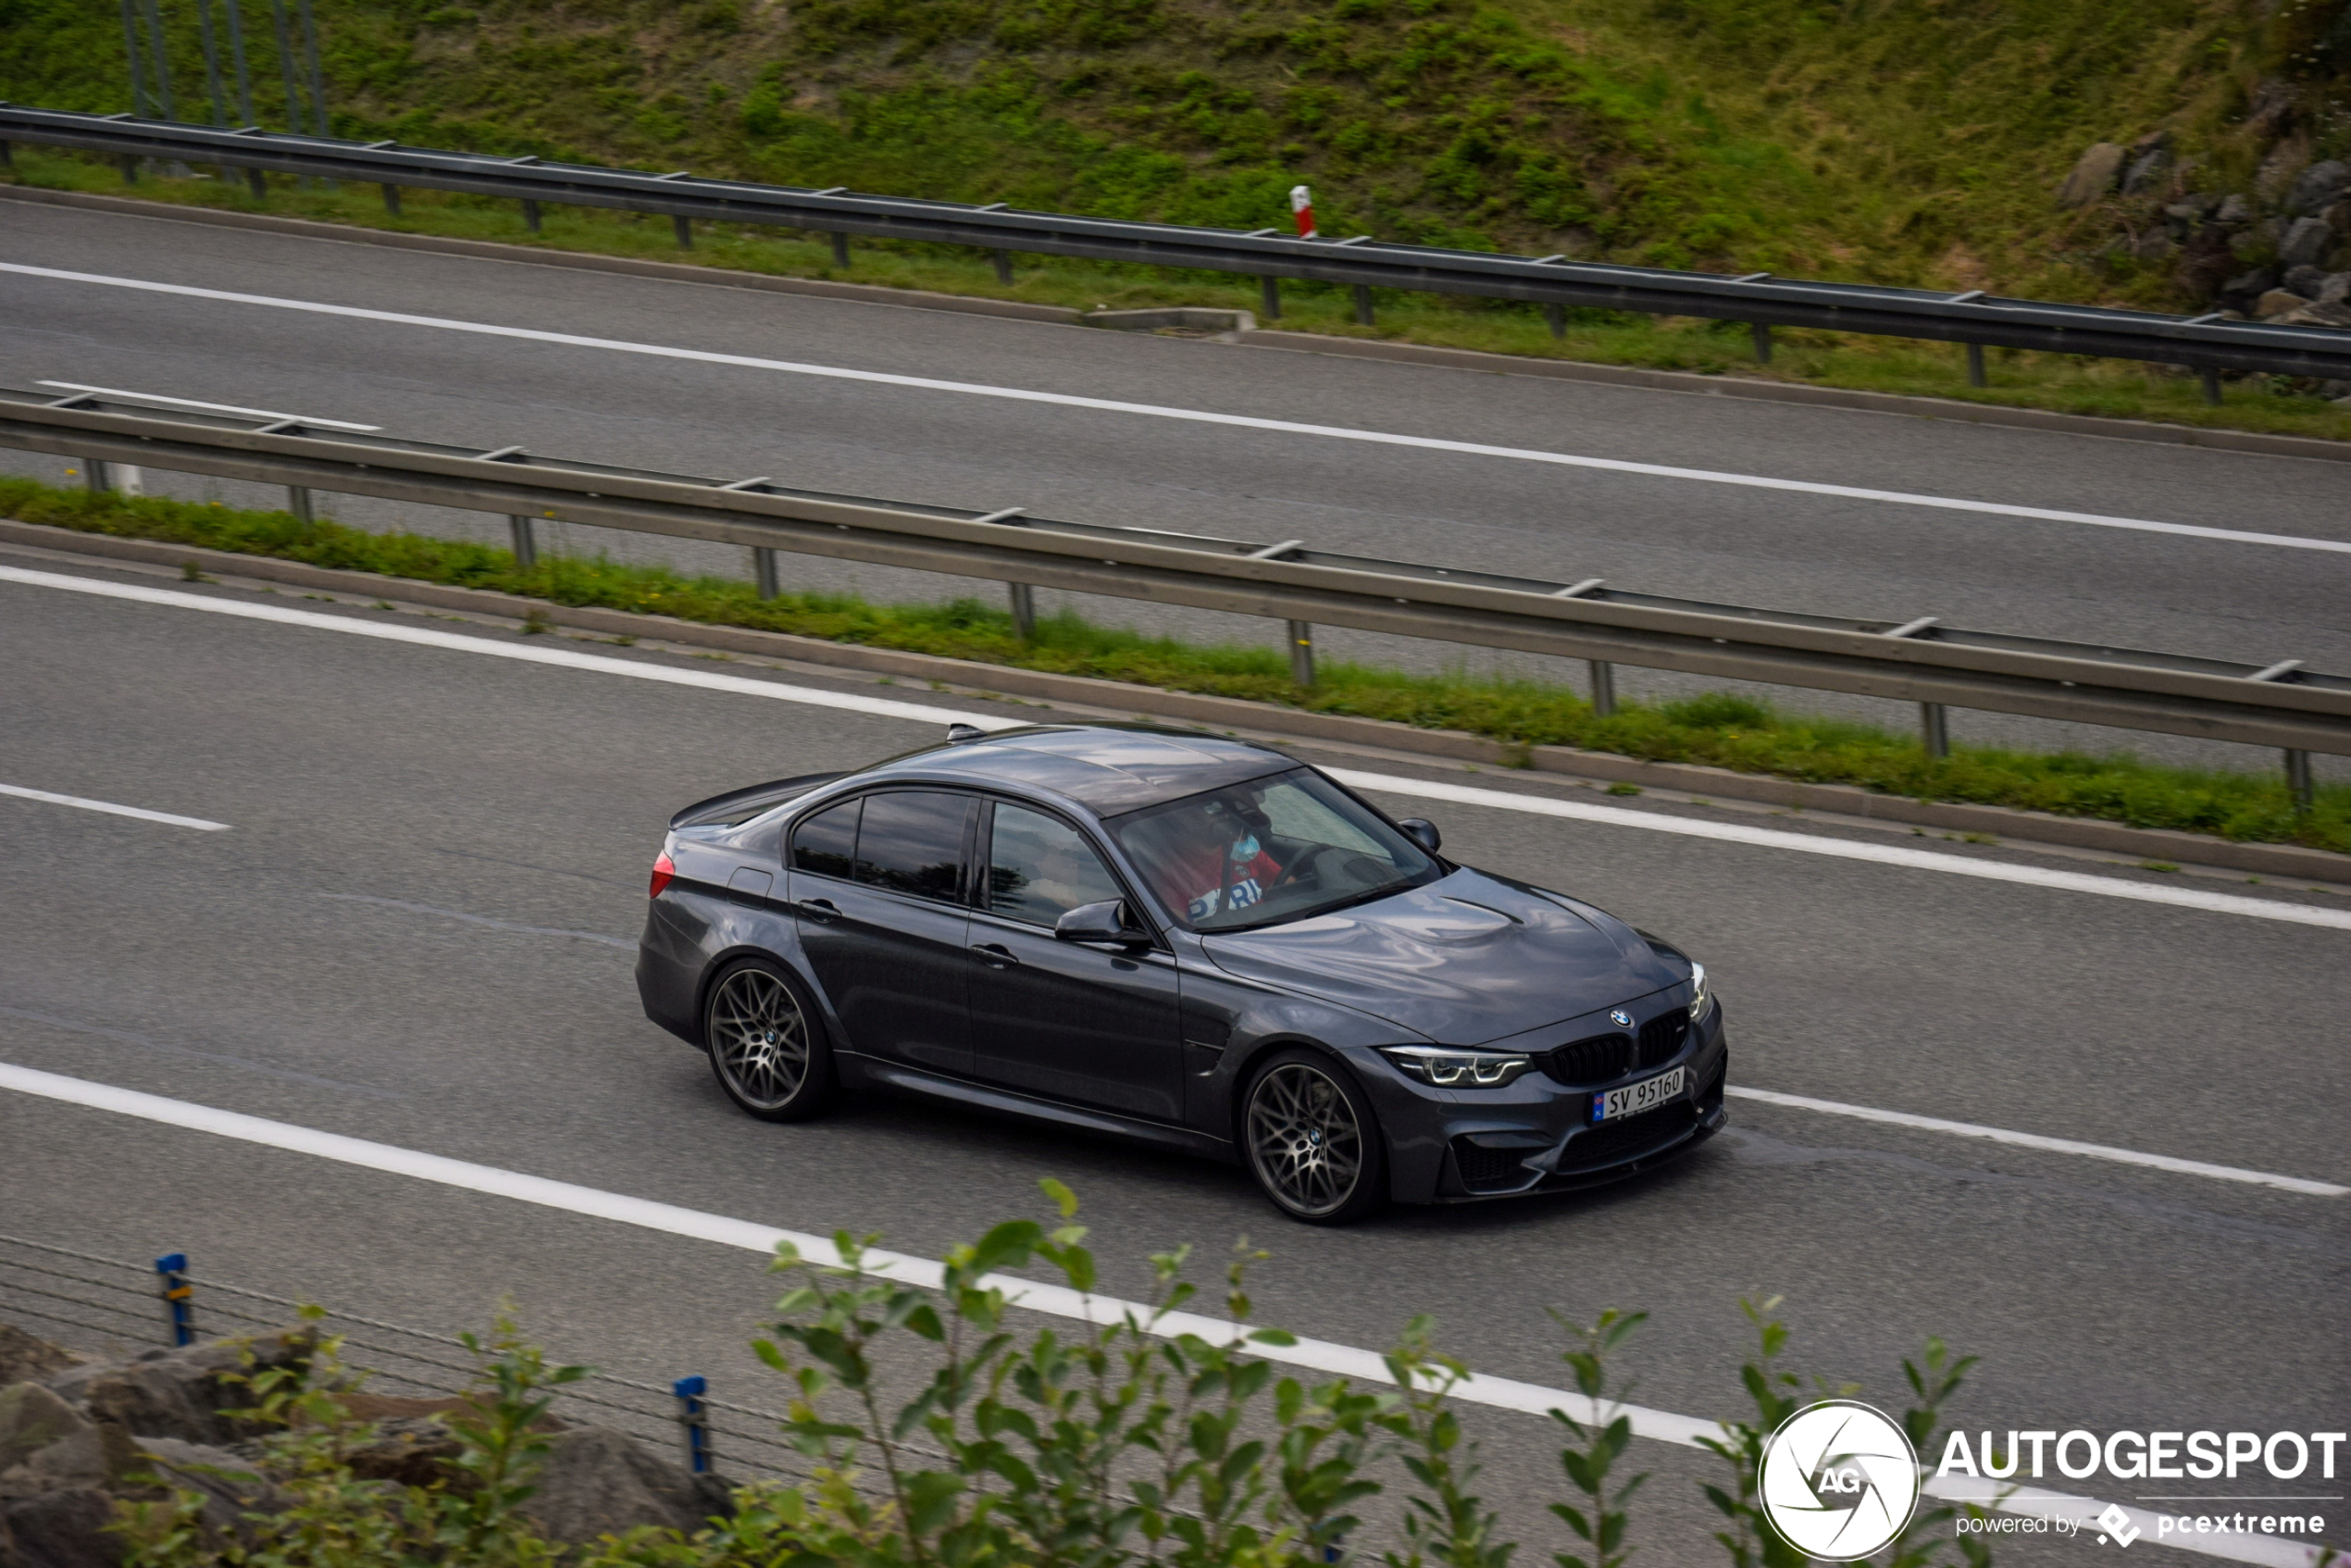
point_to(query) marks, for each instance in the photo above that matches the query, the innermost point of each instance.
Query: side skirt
(863, 1071)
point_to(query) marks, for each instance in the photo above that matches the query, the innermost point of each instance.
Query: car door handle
(822, 910)
(995, 955)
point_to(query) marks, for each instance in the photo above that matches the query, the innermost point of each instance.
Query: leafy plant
(1600, 1440)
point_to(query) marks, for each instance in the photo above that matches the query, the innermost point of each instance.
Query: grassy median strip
(1716, 730)
(2019, 379)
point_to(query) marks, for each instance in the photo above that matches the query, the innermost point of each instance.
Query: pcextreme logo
(1839, 1480)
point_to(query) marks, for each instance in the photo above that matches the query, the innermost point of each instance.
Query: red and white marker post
(1302, 206)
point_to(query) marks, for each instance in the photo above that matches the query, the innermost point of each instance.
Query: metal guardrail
(48, 1288)
(2206, 343)
(1915, 658)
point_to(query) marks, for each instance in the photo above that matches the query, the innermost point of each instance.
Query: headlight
(1455, 1069)
(1697, 989)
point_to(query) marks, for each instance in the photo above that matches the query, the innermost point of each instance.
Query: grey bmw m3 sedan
(1197, 943)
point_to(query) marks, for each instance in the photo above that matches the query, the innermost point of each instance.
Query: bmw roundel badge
(1621, 1018)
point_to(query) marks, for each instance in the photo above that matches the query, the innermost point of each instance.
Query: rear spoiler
(742, 805)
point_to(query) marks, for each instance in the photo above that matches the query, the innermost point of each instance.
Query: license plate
(1615, 1105)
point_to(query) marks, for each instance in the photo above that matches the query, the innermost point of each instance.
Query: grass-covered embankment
(1720, 731)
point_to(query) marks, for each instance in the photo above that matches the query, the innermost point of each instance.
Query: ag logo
(1839, 1481)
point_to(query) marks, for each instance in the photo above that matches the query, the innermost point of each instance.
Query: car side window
(911, 841)
(826, 843)
(1039, 868)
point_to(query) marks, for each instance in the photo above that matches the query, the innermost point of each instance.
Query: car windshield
(1269, 851)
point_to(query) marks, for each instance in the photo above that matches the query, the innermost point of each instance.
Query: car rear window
(826, 843)
(911, 841)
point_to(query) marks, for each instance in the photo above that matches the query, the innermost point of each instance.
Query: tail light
(664, 869)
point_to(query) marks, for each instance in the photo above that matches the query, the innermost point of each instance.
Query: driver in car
(1220, 865)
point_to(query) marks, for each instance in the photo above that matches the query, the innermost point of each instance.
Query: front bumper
(1536, 1134)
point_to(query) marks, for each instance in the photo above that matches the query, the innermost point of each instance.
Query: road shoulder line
(2019, 828)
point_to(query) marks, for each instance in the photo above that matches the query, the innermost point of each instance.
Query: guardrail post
(762, 571)
(298, 503)
(1603, 688)
(1935, 730)
(1555, 318)
(129, 169)
(2212, 386)
(694, 1416)
(1763, 335)
(1269, 297)
(179, 1297)
(7, 156)
(1024, 599)
(525, 541)
(1362, 305)
(1003, 265)
(531, 216)
(684, 228)
(840, 247)
(2299, 786)
(94, 474)
(1302, 654)
(391, 199)
(1976, 365)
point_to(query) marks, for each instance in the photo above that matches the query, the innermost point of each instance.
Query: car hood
(1467, 959)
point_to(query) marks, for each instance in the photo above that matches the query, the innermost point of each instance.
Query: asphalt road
(326, 963)
(1740, 545)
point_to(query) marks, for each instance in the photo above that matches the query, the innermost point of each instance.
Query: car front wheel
(766, 1045)
(1313, 1144)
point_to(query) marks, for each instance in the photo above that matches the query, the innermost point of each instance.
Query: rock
(414, 1450)
(25, 1359)
(2146, 172)
(2317, 314)
(2306, 243)
(2319, 186)
(2234, 208)
(32, 1418)
(64, 1529)
(180, 1393)
(2334, 290)
(229, 1485)
(2277, 301)
(2156, 247)
(2308, 281)
(2092, 176)
(2249, 286)
(597, 1482)
(2338, 218)
(2205, 261)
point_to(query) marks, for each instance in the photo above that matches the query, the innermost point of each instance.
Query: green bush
(1141, 1440)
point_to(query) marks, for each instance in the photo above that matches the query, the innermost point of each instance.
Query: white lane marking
(211, 407)
(1424, 789)
(141, 812)
(528, 652)
(1195, 416)
(2034, 1140)
(1055, 1300)
(1847, 849)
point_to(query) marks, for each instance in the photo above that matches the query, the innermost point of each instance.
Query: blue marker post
(179, 1297)
(694, 1416)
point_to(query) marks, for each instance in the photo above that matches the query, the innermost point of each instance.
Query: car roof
(1108, 768)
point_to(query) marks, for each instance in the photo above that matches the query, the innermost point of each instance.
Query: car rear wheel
(765, 1044)
(1313, 1144)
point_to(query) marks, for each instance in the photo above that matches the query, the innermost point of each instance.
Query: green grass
(1717, 729)
(2062, 383)
(1913, 142)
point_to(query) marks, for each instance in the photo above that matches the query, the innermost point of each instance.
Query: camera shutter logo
(1839, 1481)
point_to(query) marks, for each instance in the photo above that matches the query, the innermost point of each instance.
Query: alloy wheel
(759, 1040)
(1304, 1140)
